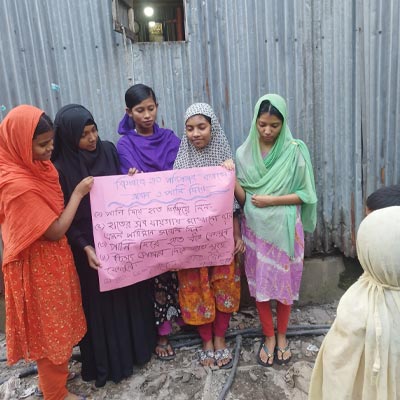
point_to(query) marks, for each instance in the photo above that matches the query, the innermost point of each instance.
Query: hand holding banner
(149, 223)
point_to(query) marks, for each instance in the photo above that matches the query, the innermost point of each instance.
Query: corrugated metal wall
(336, 63)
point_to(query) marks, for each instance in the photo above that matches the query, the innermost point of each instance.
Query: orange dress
(44, 316)
(43, 303)
(203, 290)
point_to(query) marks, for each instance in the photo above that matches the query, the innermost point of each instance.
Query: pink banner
(149, 223)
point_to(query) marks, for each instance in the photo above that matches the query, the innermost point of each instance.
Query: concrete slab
(320, 282)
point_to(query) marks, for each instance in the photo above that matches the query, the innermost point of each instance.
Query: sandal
(224, 354)
(282, 361)
(71, 376)
(206, 355)
(167, 347)
(264, 347)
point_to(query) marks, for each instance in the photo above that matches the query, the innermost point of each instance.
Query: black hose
(24, 373)
(186, 343)
(233, 333)
(28, 371)
(308, 332)
(304, 327)
(249, 333)
(301, 332)
(231, 377)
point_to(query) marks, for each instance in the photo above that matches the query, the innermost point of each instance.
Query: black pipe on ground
(231, 377)
(178, 343)
(24, 373)
(233, 333)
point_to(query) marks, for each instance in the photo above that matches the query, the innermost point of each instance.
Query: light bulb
(148, 11)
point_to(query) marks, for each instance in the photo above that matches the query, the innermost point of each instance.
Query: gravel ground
(184, 379)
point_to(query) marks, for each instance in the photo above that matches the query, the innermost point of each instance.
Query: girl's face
(144, 115)
(88, 140)
(198, 131)
(268, 127)
(42, 146)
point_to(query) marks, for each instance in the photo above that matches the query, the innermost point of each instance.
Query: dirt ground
(184, 379)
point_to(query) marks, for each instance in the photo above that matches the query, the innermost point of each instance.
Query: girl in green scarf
(276, 187)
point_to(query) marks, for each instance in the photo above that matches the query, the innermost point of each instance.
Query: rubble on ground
(184, 379)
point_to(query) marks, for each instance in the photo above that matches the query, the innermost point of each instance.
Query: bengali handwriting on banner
(149, 223)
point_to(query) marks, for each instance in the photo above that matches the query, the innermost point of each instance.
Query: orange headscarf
(19, 174)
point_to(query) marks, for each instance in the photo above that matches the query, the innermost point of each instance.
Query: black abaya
(121, 327)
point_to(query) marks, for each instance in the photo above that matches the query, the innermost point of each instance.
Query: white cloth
(360, 356)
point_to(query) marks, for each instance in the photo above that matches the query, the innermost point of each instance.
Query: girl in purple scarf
(145, 147)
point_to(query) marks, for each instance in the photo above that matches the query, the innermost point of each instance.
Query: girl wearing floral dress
(209, 295)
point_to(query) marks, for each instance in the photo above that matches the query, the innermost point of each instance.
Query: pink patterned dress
(271, 273)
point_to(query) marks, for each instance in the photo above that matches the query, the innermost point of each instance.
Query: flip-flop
(223, 354)
(283, 351)
(166, 347)
(269, 355)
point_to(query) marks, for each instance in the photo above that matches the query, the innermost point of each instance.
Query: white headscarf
(360, 356)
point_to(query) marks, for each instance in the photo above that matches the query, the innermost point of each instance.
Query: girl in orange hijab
(44, 316)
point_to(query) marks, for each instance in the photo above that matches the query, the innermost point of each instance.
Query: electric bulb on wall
(148, 11)
(152, 24)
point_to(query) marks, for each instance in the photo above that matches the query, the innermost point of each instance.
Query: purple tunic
(156, 152)
(153, 153)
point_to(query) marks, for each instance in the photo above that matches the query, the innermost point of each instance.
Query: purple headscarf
(156, 152)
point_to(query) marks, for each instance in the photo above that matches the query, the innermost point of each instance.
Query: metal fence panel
(336, 63)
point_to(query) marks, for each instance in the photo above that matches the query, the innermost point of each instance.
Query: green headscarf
(285, 170)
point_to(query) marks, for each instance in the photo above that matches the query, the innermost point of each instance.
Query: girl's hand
(229, 165)
(84, 186)
(262, 200)
(132, 171)
(93, 261)
(240, 247)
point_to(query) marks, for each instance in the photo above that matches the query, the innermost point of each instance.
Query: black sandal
(264, 347)
(281, 361)
(165, 347)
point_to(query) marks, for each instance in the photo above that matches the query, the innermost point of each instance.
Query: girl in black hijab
(120, 322)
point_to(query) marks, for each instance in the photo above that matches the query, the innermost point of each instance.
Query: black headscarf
(73, 163)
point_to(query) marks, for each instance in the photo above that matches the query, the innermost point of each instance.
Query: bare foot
(163, 348)
(282, 353)
(206, 360)
(270, 343)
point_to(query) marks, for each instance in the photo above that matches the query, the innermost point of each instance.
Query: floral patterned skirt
(44, 315)
(166, 303)
(203, 290)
